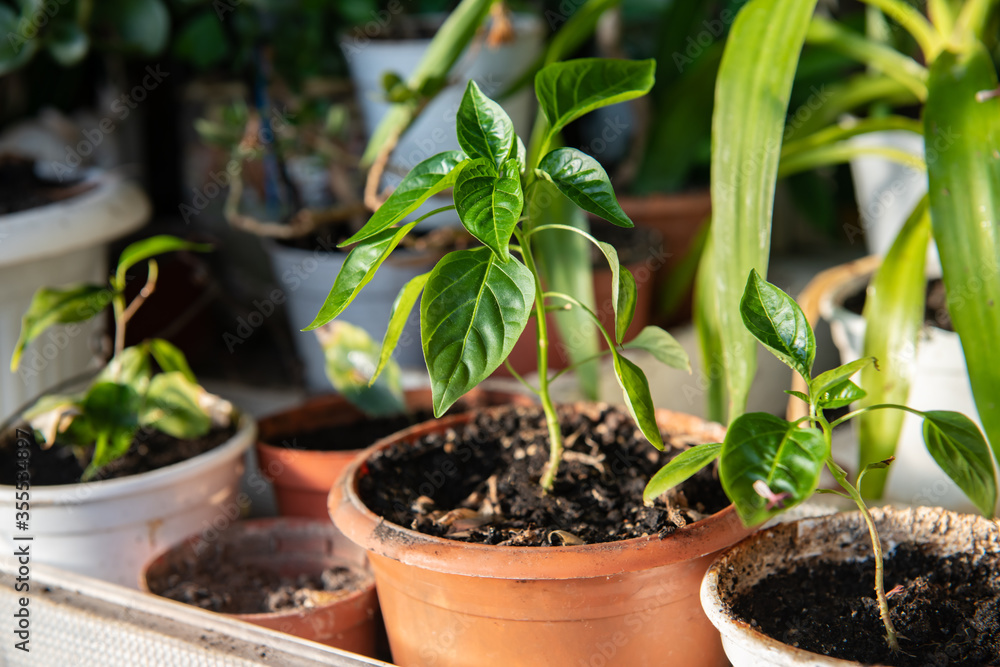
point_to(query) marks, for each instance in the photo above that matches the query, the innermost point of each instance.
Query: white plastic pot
(434, 130)
(109, 529)
(835, 538)
(306, 277)
(940, 382)
(56, 244)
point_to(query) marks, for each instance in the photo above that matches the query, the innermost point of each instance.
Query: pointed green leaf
(489, 202)
(472, 312)
(680, 468)
(625, 300)
(779, 324)
(398, 315)
(351, 356)
(841, 395)
(130, 366)
(835, 377)
(111, 411)
(519, 152)
(797, 394)
(428, 178)
(787, 459)
(151, 247)
(171, 405)
(959, 448)
(662, 346)
(358, 269)
(638, 399)
(568, 90)
(483, 127)
(583, 179)
(58, 305)
(170, 358)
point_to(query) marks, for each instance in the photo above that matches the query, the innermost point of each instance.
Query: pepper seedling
(126, 394)
(475, 303)
(768, 465)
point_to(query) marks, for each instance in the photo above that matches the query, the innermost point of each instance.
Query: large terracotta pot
(302, 478)
(452, 603)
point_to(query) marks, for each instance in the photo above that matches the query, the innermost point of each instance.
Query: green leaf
(840, 395)
(201, 41)
(490, 202)
(518, 152)
(835, 377)
(130, 366)
(171, 405)
(52, 414)
(358, 269)
(398, 315)
(483, 127)
(170, 358)
(751, 103)
(662, 346)
(779, 324)
(68, 43)
(141, 26)
(680, 468)
(963, 128)
(58, 305)
(428, 178)
(625, 299)
(638, 399)
(582, 179)
(568, 90)
(959, 448)
(788, 459)
(15, 48)
(151, 247)
(111, 411)
(797, 394)
(472, 312)
(351, 357)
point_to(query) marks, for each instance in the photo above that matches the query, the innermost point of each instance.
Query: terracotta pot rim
(387, 539)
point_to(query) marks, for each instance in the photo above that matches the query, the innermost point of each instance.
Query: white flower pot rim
(143, 483)
(524, 24)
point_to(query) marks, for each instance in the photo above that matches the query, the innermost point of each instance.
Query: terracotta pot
(288, 547)
(302, 478)
(839, 537)
(622, 603)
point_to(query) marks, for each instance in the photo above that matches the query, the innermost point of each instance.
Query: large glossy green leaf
(583, 179)
(568, 90)
(58, 305)
(959, 448)
(751, 102)
(398, 314)
(964, 129)
(894, 316)
(638, 399)
(472, 312)
(112, 413)
(680, 468)
(483, 127)
(489, 202)
(706, 318)
(171, 406)
(358, 269)
(779, 324)
(151, 247)
(428, 178)
(351, 357)
(764, 449)
(169, 358)
(662, 346)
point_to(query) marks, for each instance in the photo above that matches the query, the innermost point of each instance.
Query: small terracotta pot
(632, 602)
(835, 538)
(302, 478)
(288, 547)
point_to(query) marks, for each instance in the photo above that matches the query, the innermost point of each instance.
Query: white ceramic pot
(834, 538)
(306, 277)
(434, 130)
(940, 382)
(109, 529)
(63, 242)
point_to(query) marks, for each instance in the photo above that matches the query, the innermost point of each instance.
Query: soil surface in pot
(946, 610)
(479, 482)
(221, 582)
(935, 306)
(21, 188)
(59, 464)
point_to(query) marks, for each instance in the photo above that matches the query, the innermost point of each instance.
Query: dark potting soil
(59, 464)
(21, 188)
(947, 611)
(479, 482)
(222, 583)
(358, 435)
(935, 306)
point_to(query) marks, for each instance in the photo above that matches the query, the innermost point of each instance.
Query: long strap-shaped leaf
(964, 185)
(751, 100)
